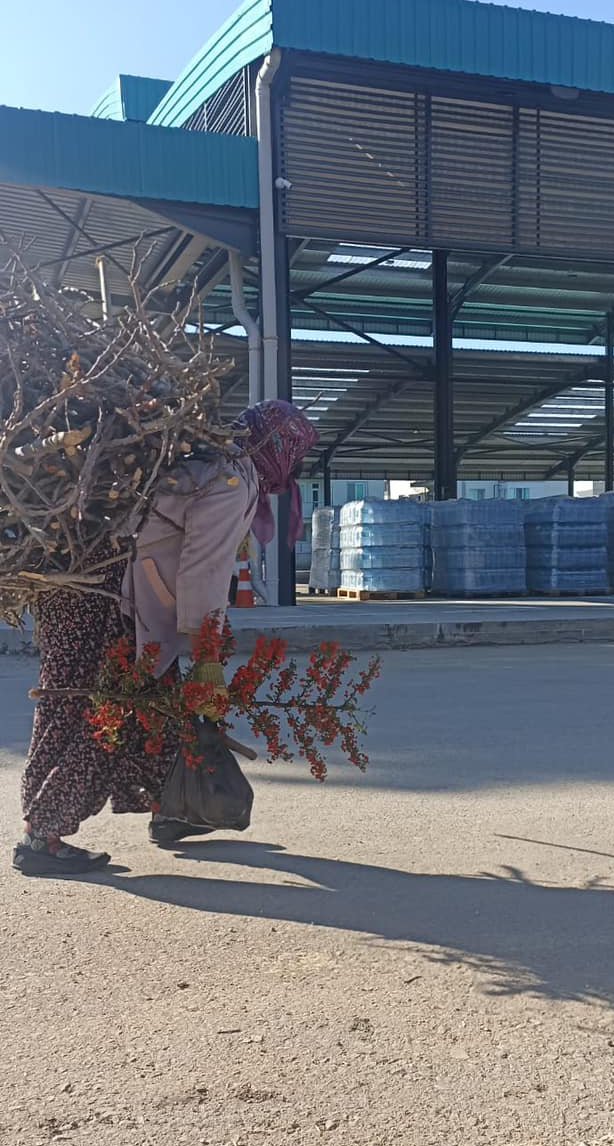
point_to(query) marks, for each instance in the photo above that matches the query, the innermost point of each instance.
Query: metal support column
(571, 478)
(609, 402)
(328, 499)
(286, 556)
(445, 458)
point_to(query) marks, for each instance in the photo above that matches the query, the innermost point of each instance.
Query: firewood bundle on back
(89, 416)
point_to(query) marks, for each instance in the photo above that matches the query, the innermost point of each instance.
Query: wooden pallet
(366, 595)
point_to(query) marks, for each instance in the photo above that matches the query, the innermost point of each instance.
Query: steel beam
(177, 262)
(72, 241)
(571, 478)
(476, 280)
(209, 276)
(76, 226)
(295, 248)
(421, 367)
(229, 227)
(234, 387)
(423, 370)
(70, 254)
(514, 412)
(360, 420)
(563, 466)
(328, 284)
(328, 500)
(445, 457)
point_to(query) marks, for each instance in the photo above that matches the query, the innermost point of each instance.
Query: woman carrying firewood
(180, 573)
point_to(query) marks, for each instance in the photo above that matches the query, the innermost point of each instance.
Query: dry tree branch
(91, 415)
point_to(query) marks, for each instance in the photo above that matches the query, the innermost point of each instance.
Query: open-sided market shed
(417, 200)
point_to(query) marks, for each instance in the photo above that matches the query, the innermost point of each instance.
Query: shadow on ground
(541, 940)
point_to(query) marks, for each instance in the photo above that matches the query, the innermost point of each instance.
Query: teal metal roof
(449, 35)
(131, 97)
(454, 35)
(131, 160)
(242, 39)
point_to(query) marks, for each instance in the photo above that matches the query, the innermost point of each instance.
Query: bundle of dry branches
(89, 416)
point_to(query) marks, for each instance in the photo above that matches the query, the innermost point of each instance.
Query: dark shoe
(31, 859)
(163, 831)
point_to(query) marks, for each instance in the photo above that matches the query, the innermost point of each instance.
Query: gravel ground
(424, 956)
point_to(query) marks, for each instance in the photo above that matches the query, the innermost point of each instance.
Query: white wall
(341, 492)
(525, 490)
(407, 489)
(397, 489)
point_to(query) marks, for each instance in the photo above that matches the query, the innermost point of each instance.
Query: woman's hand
(212, 673)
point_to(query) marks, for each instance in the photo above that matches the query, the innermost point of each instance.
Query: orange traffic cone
(245, 592)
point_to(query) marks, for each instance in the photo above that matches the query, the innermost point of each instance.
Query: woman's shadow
(526, 937)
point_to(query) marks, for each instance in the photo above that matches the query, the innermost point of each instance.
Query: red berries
(296, 713)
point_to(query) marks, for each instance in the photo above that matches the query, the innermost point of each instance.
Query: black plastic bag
(215, 795)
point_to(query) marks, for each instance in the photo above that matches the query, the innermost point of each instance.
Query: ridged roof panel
(130, 160)
(448, 35)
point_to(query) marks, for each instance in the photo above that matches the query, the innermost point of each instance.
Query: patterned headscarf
(280, 436)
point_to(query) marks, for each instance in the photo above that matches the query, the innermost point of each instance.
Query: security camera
(283, 184)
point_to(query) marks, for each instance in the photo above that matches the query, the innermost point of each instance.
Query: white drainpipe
(268, 286)
(105, 298)
(254, 342)
(266, 75)
(252, 329)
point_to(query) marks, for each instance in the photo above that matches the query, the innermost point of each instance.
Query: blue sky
(62, 54)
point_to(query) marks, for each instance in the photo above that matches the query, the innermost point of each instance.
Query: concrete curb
(378, 637)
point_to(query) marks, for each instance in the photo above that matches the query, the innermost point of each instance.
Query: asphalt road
(423, 956)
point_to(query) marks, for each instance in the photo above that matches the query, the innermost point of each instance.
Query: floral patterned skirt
(68, 776)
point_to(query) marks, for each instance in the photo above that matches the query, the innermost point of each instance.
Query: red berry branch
(297, 712)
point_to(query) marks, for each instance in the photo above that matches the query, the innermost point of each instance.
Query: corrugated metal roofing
(132, 160)
(131, 97)
(511, 360)
(109, 106)
(464, 36)
(63, 254)
(454, 35)
(396, 439)
(243, 38)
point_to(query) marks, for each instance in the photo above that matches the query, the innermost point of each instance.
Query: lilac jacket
(186, 550)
